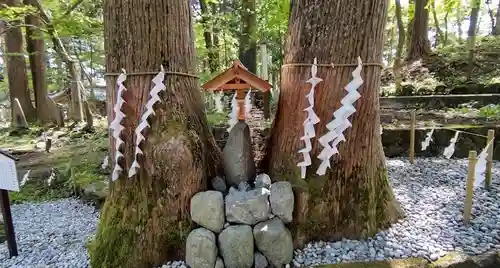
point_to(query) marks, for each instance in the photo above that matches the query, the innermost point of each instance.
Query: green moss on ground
(402, 263)
(76, 162)
(445, 70)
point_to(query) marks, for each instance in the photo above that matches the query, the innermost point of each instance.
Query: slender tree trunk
(392, 35)
(76, 108)
(399, 50)
(440, 35)
(36, 49)
(248, 43)
(459, 23)
(16, 68)
(411, 18)
(491, 15)
(419, 44)
(471, 35)
(445, 29)
(215, 35)
(354, 198)
(207, 35)
(497, 24)
(145, 219)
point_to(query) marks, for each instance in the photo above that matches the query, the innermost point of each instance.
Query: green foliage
(491, 111)
(215, 118)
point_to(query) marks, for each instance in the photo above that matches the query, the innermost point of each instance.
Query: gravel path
(431, 192)
(51, 234)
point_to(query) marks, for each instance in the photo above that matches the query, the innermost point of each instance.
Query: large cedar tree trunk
(419, 45)
(36, 48)
(354, 198)
(16, 68)
(145, 219)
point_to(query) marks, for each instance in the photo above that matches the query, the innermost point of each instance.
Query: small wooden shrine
(238, 78)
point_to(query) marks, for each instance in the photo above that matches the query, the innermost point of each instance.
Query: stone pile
(241, 228)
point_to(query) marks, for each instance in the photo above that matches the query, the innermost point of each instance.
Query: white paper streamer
(105, 162)
(381, 130)
(26, 178)
(340, 123)
(115, 125)
(218, 102)
(450, 150)
(310, 121)
(154, 97)
(233, 116)
(248, 104)
(480, 169)
(427, 140)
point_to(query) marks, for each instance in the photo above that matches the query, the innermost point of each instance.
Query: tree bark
(76, 108)
(401, 43)
(440, 36)
(248, 43)
(471, 36)
(207, 35)
(36, 49)
(459, 22)
(411, 18)
(354, 198)
(145, 219)
(419, 44)
(446, 29)
(16, 68)
(497, 24)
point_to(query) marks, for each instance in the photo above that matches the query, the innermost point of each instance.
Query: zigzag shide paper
(248, 104)
(218, 102)
(233, 116)
(450, 150)
(481, 165)
(310, 121)
(341, 122)
(116, 125)
(427, 140)
(154, 97)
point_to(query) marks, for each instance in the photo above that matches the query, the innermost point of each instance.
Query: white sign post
(8, 182)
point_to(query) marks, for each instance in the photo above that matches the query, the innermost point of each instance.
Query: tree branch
(20, 25)
(73, 7)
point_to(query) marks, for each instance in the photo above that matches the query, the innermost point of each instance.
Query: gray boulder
(247, 207)
(236, 246)
(237, 155)
(260, 261)
(219, 263)
(282, 200)
(274, 240)
(219, 184)
(262, 181)
(207, 209)
(201, 248)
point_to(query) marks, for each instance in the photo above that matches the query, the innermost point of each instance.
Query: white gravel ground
(51, 234)
(431, 192)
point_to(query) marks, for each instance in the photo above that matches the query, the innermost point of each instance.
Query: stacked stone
(241, 228)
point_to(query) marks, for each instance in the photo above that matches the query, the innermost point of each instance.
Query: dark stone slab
(239, 164)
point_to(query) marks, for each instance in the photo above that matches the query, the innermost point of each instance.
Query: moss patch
(76, 162)
(402, 263)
